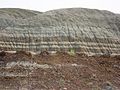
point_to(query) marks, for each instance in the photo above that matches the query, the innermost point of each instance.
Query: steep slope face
(16, 13)
(83, 30)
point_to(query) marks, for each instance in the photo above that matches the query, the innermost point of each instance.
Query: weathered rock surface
(60, 71)
(88, 31)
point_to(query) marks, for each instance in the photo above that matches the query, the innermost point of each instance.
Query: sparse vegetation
(71, 52)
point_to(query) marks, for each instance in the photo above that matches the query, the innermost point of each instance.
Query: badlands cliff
(83, 30)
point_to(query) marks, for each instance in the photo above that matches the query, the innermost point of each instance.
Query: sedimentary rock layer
(83, 30)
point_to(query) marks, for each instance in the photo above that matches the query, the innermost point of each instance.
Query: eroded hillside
(83, 30)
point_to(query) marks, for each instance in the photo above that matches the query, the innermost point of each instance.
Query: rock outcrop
(83, 30)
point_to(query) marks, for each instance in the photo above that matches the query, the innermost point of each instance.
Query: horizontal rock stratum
(83, 30)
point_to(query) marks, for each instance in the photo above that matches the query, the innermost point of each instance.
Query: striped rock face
(82, 30)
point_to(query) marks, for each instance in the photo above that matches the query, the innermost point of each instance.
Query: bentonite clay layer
(88, 31)
(61, 71)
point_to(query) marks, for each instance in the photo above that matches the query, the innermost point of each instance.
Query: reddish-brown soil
(65, 72)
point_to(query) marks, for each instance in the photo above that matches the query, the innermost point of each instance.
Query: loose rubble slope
(61, 71)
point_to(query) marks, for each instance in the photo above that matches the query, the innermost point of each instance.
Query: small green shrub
(71, 52)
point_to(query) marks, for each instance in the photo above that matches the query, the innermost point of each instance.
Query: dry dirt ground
(60, 71)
